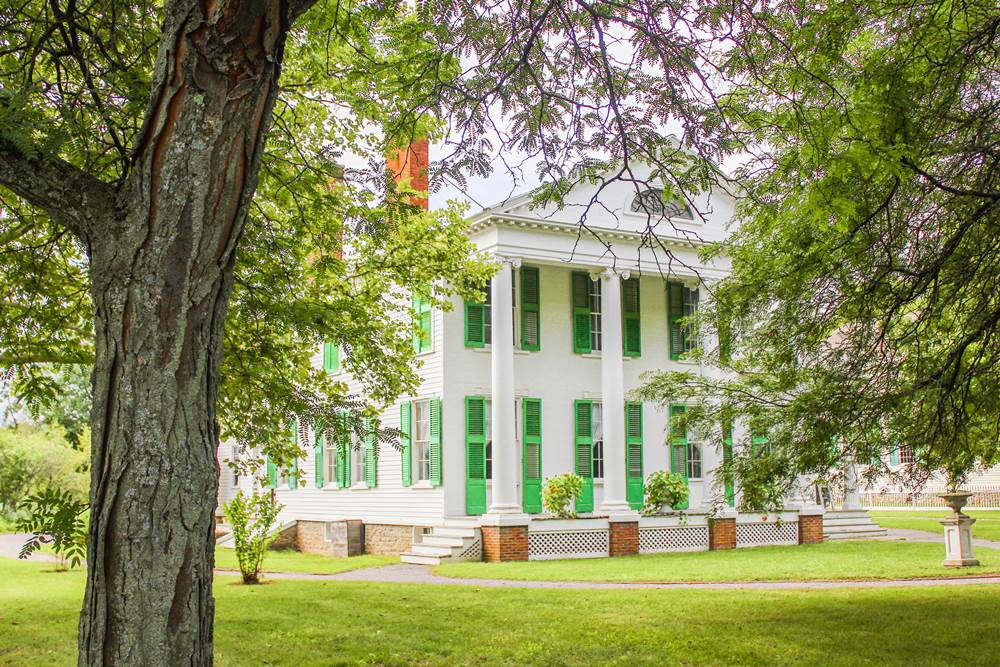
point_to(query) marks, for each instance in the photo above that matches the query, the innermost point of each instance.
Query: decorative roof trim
(493, 219)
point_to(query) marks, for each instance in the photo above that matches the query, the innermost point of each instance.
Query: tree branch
(70, 195)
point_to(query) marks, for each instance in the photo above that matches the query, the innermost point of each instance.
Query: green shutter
(331, 357)
(675, 311)
(293, 476)
(435, 441)
(584, 445)
(633, 455)
(727, 457)
(530, 299)
(678, 447)
(531, 419)
(371, 453)
(631, 326)
(318, 457)
(894, 455)
(758, 445)
(475, 324)
(344, 451)
(423, 336)
(725, 334)
(475, 455)
(581, 313)
(405, 441)
(272, 474)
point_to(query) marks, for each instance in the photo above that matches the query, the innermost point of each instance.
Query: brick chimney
(409, 165)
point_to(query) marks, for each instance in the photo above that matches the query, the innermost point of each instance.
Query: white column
(505, 497)
(613, 395)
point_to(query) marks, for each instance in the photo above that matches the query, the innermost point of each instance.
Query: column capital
(608, 272)
(515, 262)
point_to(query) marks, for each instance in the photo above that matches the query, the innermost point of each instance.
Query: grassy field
(329, 623)
(293, 561)
(987, 526)
(830, 560)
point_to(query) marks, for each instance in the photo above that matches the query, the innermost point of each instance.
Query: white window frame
(420, 447)
(597, 439)
(594, 303)
(330, 459)
(694, 460)
(358, 461)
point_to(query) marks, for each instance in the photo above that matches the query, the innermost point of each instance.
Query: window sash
(422, 439)
(594, 301)
(694, 461)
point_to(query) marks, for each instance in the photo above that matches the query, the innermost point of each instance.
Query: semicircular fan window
(651, 202)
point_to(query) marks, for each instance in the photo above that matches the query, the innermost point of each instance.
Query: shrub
(54, 516)
(559, 492)
(664, 488)
(252, 518)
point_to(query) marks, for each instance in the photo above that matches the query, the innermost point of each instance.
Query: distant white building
(533, 383)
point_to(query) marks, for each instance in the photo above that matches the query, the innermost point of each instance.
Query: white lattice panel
(759, 534)
(568, 544)
(679, 538)
(473, 552)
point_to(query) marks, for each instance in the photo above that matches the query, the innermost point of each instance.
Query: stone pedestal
(623, 538)
(721, 533)
(958, 541)
(810, 526)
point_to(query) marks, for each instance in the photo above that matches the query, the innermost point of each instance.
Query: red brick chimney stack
(409, 165)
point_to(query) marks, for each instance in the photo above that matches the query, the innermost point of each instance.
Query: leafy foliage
(559, 491)
(54, 516)
(32, 458)
(252, 518)
(664, 489)
(862, 306)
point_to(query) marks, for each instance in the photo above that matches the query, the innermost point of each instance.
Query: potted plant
(664, 491)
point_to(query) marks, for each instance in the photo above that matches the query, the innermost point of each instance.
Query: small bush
(559, 492)
(252, 518)
(54, 516)
(664, 488)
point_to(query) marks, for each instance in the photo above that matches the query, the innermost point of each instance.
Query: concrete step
(428, 550)
(863, 527)
(419, 559)
(855, 535)
(435, 540)
(454, 532)
(846, 514)
(845, 520)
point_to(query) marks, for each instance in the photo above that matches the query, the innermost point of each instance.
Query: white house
(533, 384)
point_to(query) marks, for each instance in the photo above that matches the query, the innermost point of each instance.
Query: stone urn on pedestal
(958, 531)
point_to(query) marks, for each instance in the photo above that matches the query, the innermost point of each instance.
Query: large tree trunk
(161, 274)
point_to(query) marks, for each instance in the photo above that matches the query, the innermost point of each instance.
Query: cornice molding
(602, 233)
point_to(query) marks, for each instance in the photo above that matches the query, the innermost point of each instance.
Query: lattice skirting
(568, 544)
(679, 538)
(473, 552)
(760, 534)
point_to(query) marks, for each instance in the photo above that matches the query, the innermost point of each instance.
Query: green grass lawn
(289, 622)
(987, 526)
(293, 561)
(830, 560)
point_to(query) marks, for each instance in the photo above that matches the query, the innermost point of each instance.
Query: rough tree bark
(162, 246)
(161, 272)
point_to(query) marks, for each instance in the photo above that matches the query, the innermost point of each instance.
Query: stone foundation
(502, 543)
(388, 539)
(623, 538)
(810, 528)
(722, 533)
(287, 538)
(340, 539)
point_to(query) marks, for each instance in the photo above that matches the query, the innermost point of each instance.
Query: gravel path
(911, 535)
(10, 544)
(423, 574)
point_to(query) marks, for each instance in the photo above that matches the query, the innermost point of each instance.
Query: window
(594, 302)
(598, 436)
(422, 440)
(694, 461)
(357, 459)
(234, 459)
(906, 455)
(650, 202)
(479, 316)
(682, 302)
(330, 457)
(488, 426)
